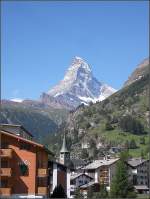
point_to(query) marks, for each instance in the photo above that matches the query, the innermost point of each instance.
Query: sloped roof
(2, 127)
(134, 162)
(98, 163)
(74, 176)
(64, 146)
(26, 140)
(88, 184)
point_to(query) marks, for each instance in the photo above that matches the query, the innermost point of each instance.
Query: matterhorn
(78, 86)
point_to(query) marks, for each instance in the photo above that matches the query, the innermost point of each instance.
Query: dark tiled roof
(88, 184)
(134, 162)
(2, 126)
(79, 174)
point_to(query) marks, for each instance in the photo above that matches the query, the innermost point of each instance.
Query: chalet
(93, 186)
(102, 171)
(138, 170)
(77, 180)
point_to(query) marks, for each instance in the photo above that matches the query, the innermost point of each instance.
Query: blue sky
(39, 40)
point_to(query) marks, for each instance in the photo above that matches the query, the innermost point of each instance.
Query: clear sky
(39, 40)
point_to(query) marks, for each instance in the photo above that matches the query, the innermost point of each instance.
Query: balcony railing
(5, 172)
(5, 191)
(104, 171)
(42, 190)
(42, 172)
(104, 177)
(6, 153)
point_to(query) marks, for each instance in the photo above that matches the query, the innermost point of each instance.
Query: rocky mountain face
(141, 70)
(78, 86)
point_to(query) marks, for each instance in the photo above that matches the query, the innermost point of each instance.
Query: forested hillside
(40, 120)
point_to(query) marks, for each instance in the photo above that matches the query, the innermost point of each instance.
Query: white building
(138, 170)
(102, 171)
(77, 180)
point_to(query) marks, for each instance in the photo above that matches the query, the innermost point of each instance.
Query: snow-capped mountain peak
(79, 86)
(79, 62)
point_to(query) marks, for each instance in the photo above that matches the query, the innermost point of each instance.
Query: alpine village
(80, 139)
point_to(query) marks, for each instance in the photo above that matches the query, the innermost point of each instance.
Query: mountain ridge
(141, 70)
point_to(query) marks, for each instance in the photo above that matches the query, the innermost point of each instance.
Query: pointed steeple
(64, 146)
(64, 153)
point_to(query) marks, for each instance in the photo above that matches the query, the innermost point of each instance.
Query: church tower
(64, 153)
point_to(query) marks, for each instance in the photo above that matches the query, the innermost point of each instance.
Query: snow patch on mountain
(17, 100)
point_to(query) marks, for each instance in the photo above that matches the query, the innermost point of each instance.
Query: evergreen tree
(84, 154)
(108, 126)
(133, 144)
(142, 140)
(90, 193)
(142, 154)
(120, 186)
(130, 124)
(103, 191)
(78, 194)
(127, 144)
(58, 192)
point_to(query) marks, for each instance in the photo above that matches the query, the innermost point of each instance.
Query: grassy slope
(132, 99)
(119, 137)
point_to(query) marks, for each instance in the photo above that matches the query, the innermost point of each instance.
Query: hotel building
(23, 163)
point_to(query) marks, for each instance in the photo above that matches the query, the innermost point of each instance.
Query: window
(62, 155)
(72, 182)
(71, 192)
(4, 145)
(40, 164)
(80, 181)
(141, 177)
(61, 168)
(4, 164)
(4, 183)
(23, 169)
(42, 182)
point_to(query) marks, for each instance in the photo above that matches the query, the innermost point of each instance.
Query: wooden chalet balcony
(6, 153)
(5, 172)
(42, 172)
(103, 175)
(5, 191)
(104, 171)
(42, 190)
